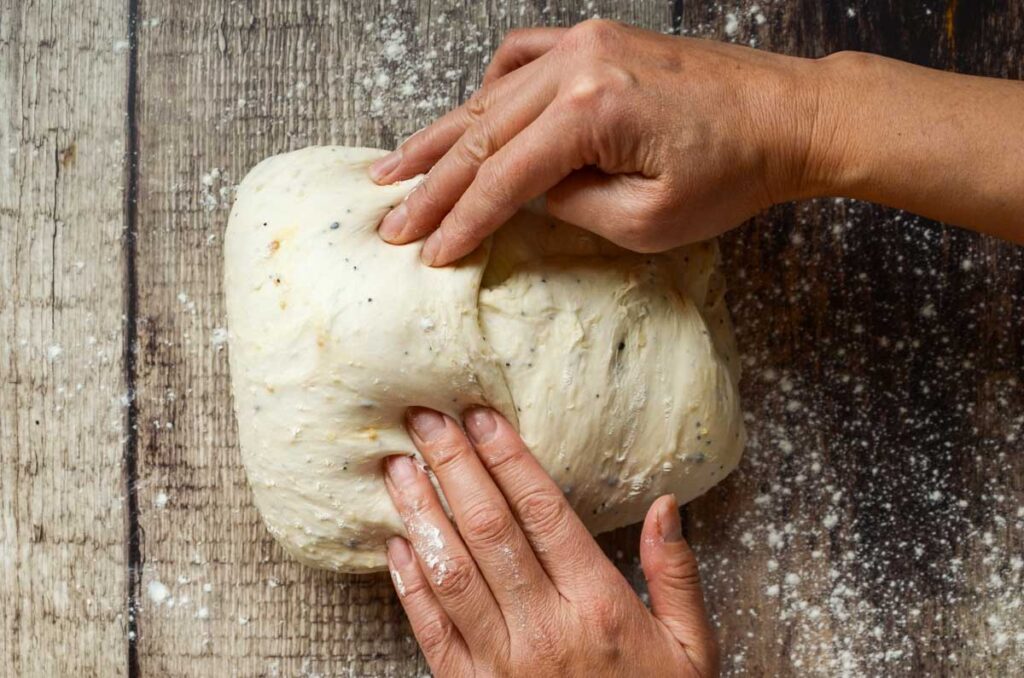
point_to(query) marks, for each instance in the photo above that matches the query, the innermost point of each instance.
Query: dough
(618, 369)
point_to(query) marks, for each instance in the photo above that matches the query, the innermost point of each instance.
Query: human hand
(649, 140)
(518, 586)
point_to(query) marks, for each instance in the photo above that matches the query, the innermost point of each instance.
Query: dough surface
(619, 369)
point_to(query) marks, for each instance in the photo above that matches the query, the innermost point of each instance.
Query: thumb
(674, 584)
(616, 207)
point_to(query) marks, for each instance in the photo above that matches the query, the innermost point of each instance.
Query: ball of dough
(618, 369)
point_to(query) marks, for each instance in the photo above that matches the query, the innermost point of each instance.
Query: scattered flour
(158, 592)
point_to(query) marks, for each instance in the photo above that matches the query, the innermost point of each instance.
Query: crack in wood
(129, 464)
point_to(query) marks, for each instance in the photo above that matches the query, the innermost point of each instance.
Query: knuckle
(436, 634)
(543, 510)
(548, 650)
(594, 34)
(445, 453)
(478, 103)
(682, 576)
(606, 619)
(497, 456)
(477, 145)
(597, 90)
(492, 183)
(456, 580)
(416, 589)
(488, 525)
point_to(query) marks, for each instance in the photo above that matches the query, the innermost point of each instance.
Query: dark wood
(887, 349)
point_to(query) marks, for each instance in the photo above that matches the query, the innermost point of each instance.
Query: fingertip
(383, 168)
(429, 255)
(670, 525)
(481, 424)
(390, 229)
(399, 553)
(659, 517)
(425, 424)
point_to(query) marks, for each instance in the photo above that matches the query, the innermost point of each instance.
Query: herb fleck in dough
(618, 369)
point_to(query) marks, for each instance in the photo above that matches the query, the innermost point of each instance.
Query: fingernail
(669, 523)
(401, 470)
(399, 552)
(481, 425)
(384, 166)
(426, 424)
(431, 248)
(394, 223)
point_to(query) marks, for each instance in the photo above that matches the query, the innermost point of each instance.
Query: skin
(517, 586)
(655, 141)
(652, 142)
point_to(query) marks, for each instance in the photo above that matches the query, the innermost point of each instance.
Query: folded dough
(618, 369)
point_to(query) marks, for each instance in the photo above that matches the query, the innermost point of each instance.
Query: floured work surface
(872, 528)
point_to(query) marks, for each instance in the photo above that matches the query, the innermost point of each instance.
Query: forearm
(949, 147)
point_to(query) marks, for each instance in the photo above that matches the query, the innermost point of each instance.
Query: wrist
(830, 163)
(802, 154)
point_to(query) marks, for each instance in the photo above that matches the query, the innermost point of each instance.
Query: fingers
(442, 644)
(450, 571)
(674, 584)
(422, 150)
(426, 206)
(537, 158)
(485, 522)
(519, 48)
(562, 544)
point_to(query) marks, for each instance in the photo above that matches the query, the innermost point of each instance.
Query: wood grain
(884, 363)
(62, 103)
(222, 86)
(874, 528)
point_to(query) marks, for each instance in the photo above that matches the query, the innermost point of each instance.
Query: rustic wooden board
(875, 526)
(221, 86)
(62, 102)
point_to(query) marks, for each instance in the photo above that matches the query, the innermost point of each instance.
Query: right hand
(651, 141)
(517, 586)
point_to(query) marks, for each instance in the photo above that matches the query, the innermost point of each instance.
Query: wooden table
(875, 526)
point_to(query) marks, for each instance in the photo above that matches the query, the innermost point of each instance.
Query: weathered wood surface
(874, 528)
(220, 88)
(62, 568)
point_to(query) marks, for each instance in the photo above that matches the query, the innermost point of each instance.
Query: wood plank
(223, 85)
(62, 579)
(875, 525)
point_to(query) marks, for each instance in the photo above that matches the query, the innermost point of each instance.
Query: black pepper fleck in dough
(335, 226)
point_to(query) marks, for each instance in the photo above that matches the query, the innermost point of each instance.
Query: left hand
(517, 586)
(649, 141)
